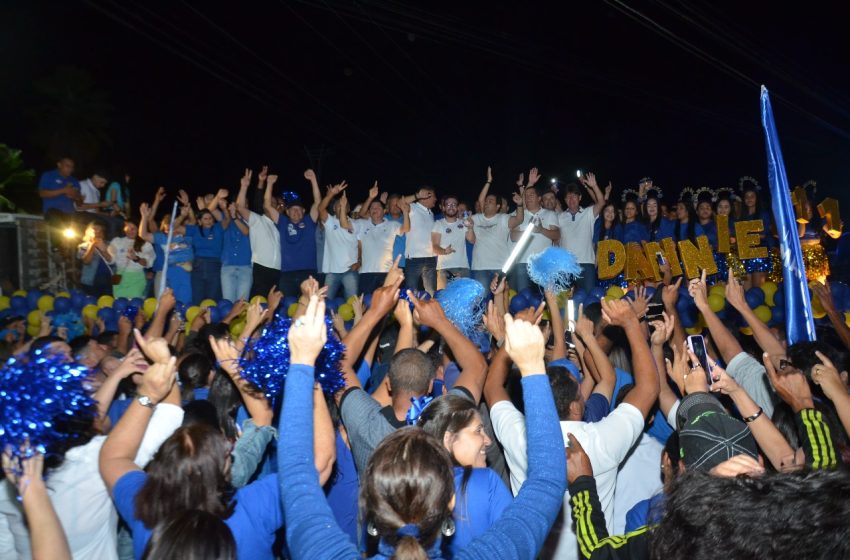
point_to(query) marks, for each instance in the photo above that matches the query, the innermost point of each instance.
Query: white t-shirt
(80, 497)
(639, 479)
(265, 241)
(418, 244)
(90, 194)
(452, 234)
(118, 248)
(376, 241)
(538, 242)
(492, 245)
(606, 443)
(340, 247)
(577, 234)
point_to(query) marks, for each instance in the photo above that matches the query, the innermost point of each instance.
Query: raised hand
(395, 272)
(589, 180)
(531, 314)
(264, 172)
(272, 179)
(578, 463)
(338, 188)
(374, 191)
(641, 302)
(226, 354)
(793, 388)
(309, 287)
(183, 197)
(608, 190)
(385, 196)
(167, 301)
(520, 182)
(385, 297)
(618, 312)
(199, 202)
(156, 349)
(525, 345)
(308, 334)
(403, 314)
(159, 196)
(533, 176)
(738, 465)
(222, 194)
(246, 178)
(584, 327)
(489, 174)
(158, 379)
(735, 292)
(274, 298)
(697, 289)
(517, 198)
(133, 362)
(722, 382)
(427, 312)
(144, 210)
(310, 175)
(670, 294)
(826, 375)
(662, 329)
(494, 322)
(497, 286)
(824, 293)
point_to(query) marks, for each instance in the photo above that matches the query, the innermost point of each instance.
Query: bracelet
(754, 417)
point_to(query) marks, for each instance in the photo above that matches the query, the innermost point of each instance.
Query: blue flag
(799, 320)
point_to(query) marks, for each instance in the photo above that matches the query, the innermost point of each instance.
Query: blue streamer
(265, 360)
(555, 269)
(36, 393)
(462, 301)
(417, 405)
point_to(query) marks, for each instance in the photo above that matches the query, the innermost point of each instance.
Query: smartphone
(568, 339)
(696, 344)
(578, 173)
(659, 257)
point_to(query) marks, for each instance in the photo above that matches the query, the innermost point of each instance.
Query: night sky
(412, 93)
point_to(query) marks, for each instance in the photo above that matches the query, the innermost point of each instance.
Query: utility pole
(316, 156)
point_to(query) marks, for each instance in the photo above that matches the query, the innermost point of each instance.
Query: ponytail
(409, 548)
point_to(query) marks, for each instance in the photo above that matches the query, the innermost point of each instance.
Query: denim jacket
(249, 451)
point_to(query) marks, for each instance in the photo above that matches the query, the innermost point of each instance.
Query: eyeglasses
(450, 205)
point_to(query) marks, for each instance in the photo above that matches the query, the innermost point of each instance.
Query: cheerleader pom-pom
(41, 396)
(265, 360)
(462, 301)
(555, 269)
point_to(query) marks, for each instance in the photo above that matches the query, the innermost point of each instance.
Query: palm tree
(15, 181)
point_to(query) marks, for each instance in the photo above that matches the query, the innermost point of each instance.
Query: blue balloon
(32, 298)
(119, 305)
(131, 311)
(107, 314)
(777, 316)
(367, 300)
(333, 304)
(18, 303)
(535, 300)
(61, 304)
(754, 297)
(225, 307)
(215, 314)
(137, 302)
(78, 300)
(527, 293)
(90, 300)
(579, 297)
(687, 312)
(518, 303)
(597, 293)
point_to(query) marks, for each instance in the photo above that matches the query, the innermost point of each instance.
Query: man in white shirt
(376, 236)
(263, 236)
(606, 442)
(491, 229)
(340, 260)
(448, 240)
(576, 224)
(546, 231)
(420, 267)
(90, 189)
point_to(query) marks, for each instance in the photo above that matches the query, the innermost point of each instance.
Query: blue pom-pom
(36, 394)
(265, 361)
(462, 301)
(517, 304)
(554, 269)
(61, 304)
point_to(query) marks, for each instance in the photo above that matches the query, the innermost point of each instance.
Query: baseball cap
(708, 436)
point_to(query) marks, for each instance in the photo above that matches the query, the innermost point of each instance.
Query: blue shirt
(236, 249)
(635, 232)
(53, 181)
(343, 490)
(645, 512)
(181, 247)
(596, 408)
(710, 230)
(297, 243)
(207, 242)
(615, 232)
(664, 229)
(256, 517)
(400, 240)
(478, 506)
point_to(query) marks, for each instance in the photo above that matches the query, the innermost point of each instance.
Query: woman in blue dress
(753, 209)
(657, 224)
(609, 227)
(634, 230)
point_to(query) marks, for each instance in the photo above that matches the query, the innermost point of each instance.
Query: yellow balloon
(716, 302)
(610, 298)
(208, 303)
(747, 331)
(763, 312)
(847, 318)
(33, 330)
(261, 299)
(149, 307)
(546, 315)
(90, 311)
(511, 294)
(616, 292)
(34, 319)
(769, 289)
(19, 293)
(694, 330)
(293, 308)
(818, 312)
(236, 327)
(45, 303)
(191, 313)
(718, 289)
(5, 302)
(346, 312)
(351, 299)
(64, 294)
(105, 301)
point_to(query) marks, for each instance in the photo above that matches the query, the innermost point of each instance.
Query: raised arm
(404, 206)
(268, 202)
(215, 204)
(735, 296)
(310, 175)
(485, 189)
(824, 294)
(364, 208)
(589, 181)
(559, 352)
(472, 364)
(242, 197)
(326, 201)
(146, 212)
(519, 215)
(826, 375)
(344, 222)
(605, 370)
(645, 393)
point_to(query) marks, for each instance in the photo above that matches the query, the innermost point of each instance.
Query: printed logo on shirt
(290, 230)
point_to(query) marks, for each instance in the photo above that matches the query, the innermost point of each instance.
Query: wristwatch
(146, 401)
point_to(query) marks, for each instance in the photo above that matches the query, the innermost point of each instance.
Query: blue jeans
(587, 280)
(519, 277)
(421, 272)
(348, 280)
(236, 282)
(206, 279)
(371, 281)
(484, 277)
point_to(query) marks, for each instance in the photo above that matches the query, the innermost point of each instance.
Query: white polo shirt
(376, 242)
(265, 241)
(418, 244)
(452, 234)
(577, 234)
(340, 247)
(538, 242)
(90, 194)
(492, 241)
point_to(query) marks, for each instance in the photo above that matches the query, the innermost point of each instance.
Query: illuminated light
(69, 233)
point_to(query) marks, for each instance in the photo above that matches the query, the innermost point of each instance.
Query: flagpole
(166, 252)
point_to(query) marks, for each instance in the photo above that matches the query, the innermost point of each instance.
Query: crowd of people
(563, 427)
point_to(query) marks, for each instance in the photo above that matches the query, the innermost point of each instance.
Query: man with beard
(448, 239)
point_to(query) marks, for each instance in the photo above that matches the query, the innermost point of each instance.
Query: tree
(15, 181)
